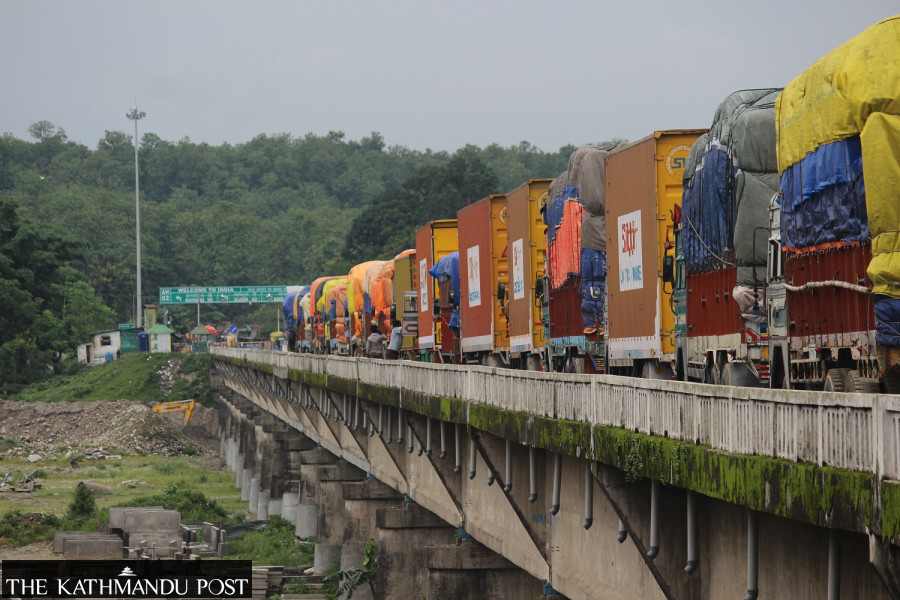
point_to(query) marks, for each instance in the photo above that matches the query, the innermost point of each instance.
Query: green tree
(388, 225)
(82, 504)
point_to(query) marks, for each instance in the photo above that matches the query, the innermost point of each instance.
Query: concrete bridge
(477, 482)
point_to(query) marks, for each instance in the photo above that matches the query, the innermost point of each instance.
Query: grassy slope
(133, 377)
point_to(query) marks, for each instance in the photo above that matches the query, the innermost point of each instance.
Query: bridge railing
(859, 432)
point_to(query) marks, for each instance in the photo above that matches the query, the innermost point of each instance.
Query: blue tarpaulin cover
(287, 308)
(292, 303)
(553, 216)
(887, 320)
(593, 289)
(825, 198)
(708, 216)
(448, 268)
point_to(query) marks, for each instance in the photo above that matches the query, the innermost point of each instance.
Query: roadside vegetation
(133, 376)
(274, 545)
(184, 484)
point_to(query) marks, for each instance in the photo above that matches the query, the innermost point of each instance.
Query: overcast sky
(425, 74)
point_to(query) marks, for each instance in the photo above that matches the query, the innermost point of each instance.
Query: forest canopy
(276, 210)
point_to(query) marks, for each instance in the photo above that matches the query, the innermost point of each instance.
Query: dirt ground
(64, 430)
(59, 429)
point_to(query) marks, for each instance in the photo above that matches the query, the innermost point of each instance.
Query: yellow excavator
(186, 405)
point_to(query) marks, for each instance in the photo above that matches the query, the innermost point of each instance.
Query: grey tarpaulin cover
(709, 201)
(755, 182)
(587, 175)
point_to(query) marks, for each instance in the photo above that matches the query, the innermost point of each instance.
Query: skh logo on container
(631, 255)
(473, 267)
(127, 579)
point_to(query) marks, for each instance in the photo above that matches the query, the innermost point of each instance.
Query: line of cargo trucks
(764, 251)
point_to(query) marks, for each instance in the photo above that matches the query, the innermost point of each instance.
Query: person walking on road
(396, 343)
(375, 343)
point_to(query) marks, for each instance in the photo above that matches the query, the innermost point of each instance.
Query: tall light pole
(135, 115)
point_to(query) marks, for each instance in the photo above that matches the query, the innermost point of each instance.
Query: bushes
(274, 545)
(82, 504)
(192, 504)
(20, 529)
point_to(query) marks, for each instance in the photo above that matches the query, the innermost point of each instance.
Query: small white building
(160, 338)
(104, 345)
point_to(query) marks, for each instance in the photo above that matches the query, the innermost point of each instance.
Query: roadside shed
(160, 338)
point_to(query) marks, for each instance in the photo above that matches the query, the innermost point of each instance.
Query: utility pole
(135, 116)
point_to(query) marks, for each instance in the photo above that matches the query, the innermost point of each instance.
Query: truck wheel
(837, 380)
(861, 384)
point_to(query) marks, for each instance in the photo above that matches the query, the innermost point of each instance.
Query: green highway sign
(222, 294)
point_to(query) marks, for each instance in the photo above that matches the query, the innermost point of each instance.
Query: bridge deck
(856, 432)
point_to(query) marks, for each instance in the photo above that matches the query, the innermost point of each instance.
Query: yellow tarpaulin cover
(833, 98)
(880, 141)
(315, 291)
(322, 304)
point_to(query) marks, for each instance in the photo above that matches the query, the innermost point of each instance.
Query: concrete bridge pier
(274, 472)
(262, 452)
(294, 444)
(230, 419)
(403, 534)
(307, 511)
(332, 518)
(362, 502)
(248, 445)
(469, 570)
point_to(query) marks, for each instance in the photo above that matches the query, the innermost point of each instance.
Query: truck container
(833, 298)
(433, 241)
(576, 250)
(721, 250)
(643, 186)
(483, 271)
(405, 298)
(525, 241)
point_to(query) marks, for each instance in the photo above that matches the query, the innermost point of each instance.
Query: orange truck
(643, 186)
(526, 252)
(484, 276)
(434, 241)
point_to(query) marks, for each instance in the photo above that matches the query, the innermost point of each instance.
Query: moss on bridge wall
(815, 494)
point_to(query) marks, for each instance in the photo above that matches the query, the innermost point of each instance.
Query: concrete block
(327, 558)
(109, 547)
(60, 538)
(290, 500)
(262, 505)
(317, 456)
(466, 556)
(117, 514)
(151, 520)
(253, 498)
(343, 471)
(307, 521)
(246, 476)
(370, 489)
(156, 539)
(276, 506)
(412, 516)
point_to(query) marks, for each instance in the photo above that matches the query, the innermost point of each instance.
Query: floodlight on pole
(135, 115)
